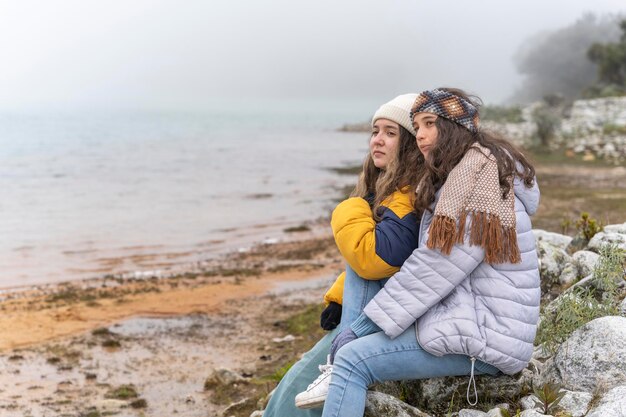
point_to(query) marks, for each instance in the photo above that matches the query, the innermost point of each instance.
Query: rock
(573, 402)
(555, 239)
(612, 404)
(532, 413)
(238, 406)
(615, 228)
(602, 238)
(528, 402)
(379, 404)
(622, 307)
(552, 260)
(494, 412)
(569, 274)
(540, 354)
(576, 403)
(582, 265)
(579, 242)
(222, 376)
(257, 413)
(288, 338)
(471, 413)
(585, 261)
(432, 393)
(594, 355)
(583, 283)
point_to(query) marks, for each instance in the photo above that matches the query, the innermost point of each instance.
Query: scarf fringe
(486, 231)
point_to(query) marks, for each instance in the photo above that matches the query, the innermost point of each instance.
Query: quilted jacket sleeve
(375, 250)
(425, 279)
(335, 292)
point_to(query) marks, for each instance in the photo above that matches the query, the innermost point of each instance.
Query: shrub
(587, 226)
(549, 396)
(581, 305)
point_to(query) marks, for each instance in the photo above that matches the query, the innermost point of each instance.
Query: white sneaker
(315, 394)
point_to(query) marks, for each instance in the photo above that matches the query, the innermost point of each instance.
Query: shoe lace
(325, 370)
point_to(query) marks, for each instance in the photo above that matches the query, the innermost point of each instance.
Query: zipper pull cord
(472, 381)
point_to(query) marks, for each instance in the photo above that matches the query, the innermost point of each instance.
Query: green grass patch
(111, 343)
(123, 392)
(139, 403)
(502, 114)
(101, 331)
(611, 129)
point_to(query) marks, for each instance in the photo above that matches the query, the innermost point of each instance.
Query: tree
(611, 61)
(556, 62)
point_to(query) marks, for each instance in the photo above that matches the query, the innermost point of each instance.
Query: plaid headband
(448, 105)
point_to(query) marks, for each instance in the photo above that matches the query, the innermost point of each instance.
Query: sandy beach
(146, 347)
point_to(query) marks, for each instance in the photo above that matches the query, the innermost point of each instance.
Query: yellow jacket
(373, 250)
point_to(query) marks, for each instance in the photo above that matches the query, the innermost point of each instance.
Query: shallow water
(86, 195)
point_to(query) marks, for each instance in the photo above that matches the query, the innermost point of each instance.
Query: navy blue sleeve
(396, 238)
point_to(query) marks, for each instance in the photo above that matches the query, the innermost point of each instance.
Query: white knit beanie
(397, 110)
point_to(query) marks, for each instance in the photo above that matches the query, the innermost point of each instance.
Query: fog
(202, 54)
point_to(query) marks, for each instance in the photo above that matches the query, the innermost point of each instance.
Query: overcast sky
(192, 54)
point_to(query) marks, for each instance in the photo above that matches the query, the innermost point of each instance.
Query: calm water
(89, 194)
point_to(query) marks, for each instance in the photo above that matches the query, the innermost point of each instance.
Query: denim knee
(349, 364)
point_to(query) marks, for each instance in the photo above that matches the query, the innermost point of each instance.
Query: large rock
(576, 403)
(552, 261)
(594, 355)
(379, 404)
(615, 228)
(436, 393)
(612, 404)
(555, 239)
(603, 238)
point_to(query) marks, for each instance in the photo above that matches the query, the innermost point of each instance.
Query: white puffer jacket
(462, 305)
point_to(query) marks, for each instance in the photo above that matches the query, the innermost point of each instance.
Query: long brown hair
(400, 172)
(453, 142)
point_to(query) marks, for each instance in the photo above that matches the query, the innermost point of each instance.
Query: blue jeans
(296, 380)
(305, 371)
(377, 358)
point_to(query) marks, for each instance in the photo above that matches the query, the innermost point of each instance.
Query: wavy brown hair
(376, 184)
(453, 142)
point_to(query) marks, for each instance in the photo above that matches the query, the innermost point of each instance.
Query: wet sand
(66, 349)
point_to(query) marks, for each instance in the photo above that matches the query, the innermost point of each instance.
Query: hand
(346, 336)
(331, 316)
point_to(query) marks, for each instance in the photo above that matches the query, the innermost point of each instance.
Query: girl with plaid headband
(466, 301)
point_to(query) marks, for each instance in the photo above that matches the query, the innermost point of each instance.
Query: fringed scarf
(473, 190)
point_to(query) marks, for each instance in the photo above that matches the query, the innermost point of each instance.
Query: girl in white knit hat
(375, 230)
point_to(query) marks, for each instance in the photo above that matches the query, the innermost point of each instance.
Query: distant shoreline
(355, 127)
